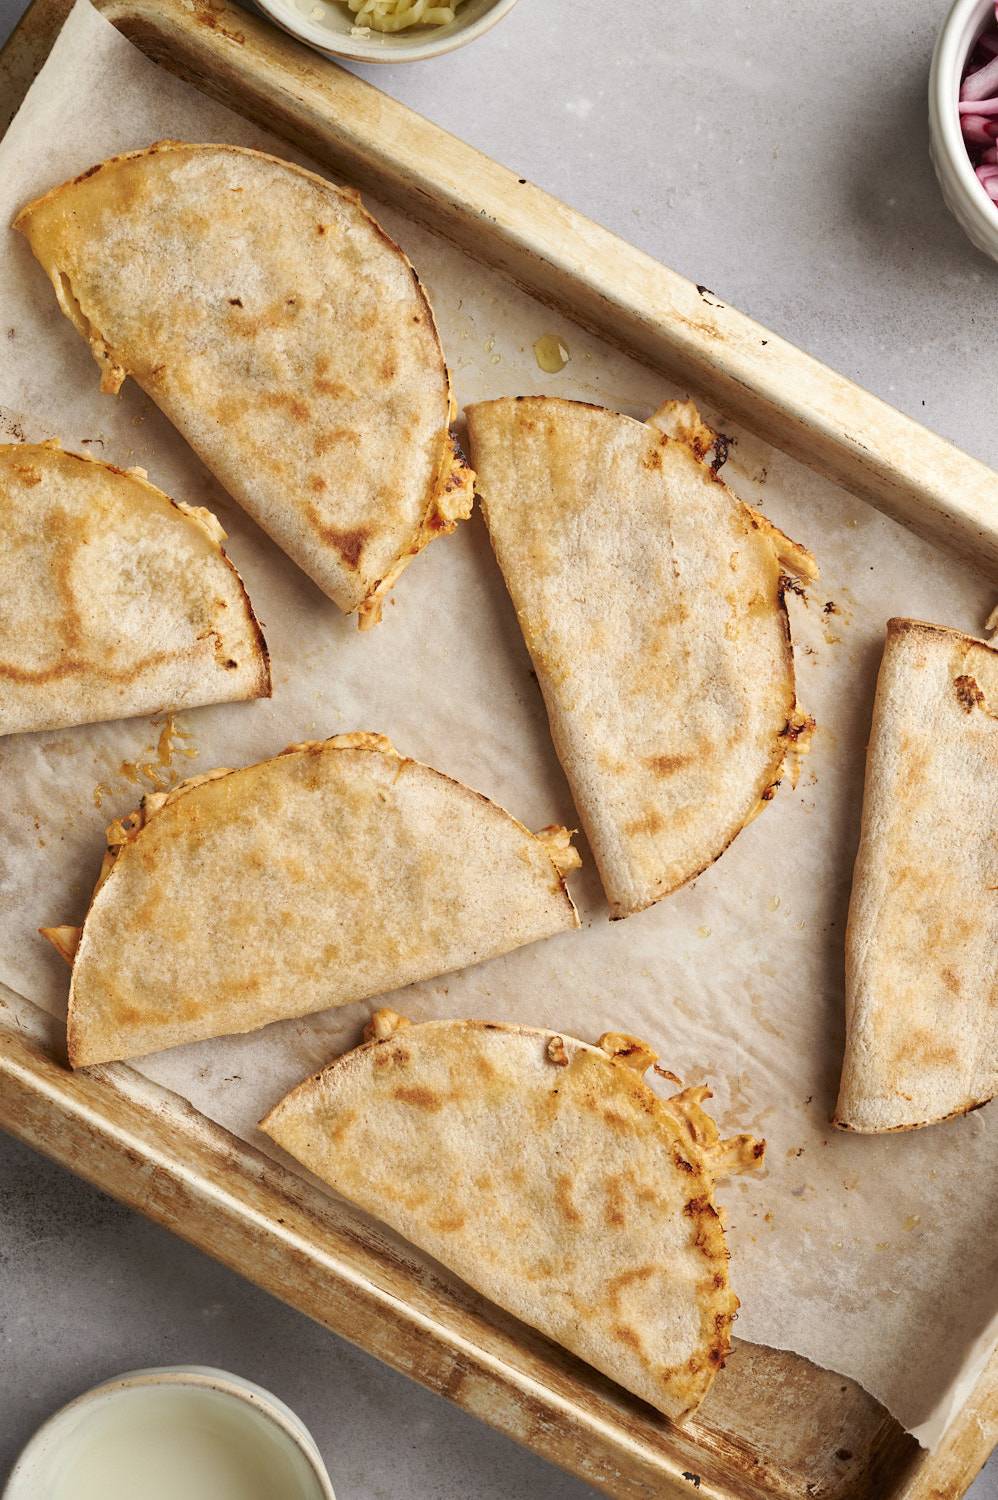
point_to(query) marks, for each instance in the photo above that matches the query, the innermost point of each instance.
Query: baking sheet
(864, 1255)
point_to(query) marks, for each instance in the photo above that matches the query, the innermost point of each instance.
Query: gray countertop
(777, 154)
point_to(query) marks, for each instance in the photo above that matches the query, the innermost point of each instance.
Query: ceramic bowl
(37, 1471)
(964, 195)
(326, 25)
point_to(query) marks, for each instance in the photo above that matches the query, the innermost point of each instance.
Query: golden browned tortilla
(922, 937)
(285, 336)
(338, 870)
(114, 599)
(651, 600)
(550, 1176)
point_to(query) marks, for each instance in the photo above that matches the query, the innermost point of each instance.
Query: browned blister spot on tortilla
(449, 1223)
(418, 1097)
(922, 1047)
(245, 324)
(334, 389)
(968, 693)
(614, 1216)
(340, 1127)
(668, 765)
(650, 822)
(951, 981)
(349, 543)
(296, 408)
(630, 1336)
(390, 1057)
(324, 441)
(564, 1201)
(619, 1283)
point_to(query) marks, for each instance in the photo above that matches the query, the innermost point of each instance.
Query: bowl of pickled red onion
(963, 118)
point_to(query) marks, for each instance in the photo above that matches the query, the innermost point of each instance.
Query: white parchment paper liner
(874, 1257)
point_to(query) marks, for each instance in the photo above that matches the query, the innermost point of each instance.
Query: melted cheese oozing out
(397, 15)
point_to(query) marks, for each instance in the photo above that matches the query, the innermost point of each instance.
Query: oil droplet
(166, 746)
(551, 354)
(496, 359)
(159, 777)
(489, 345)
(703, 932)
(774, 903)
(100, 792)
(129, 770)
(911, 1221)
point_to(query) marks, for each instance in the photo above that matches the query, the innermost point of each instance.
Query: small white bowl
(326, 25)
(965, 197)
(107, 1413)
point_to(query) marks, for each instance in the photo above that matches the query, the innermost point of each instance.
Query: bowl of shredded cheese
(388, 31)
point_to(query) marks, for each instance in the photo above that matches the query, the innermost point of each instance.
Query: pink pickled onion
(982, 82)
(977, 108)
(978, 131)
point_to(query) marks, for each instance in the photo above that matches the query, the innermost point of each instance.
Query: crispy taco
(116, 599)
(338, 870)
(651, 600)
(285, 336)
(549, 1176)
(922, 936)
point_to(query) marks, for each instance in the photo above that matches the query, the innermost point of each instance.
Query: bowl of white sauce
(185, 1431)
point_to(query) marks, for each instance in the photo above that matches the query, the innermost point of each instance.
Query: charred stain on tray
(722, 450)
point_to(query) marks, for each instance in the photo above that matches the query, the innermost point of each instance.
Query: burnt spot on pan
(722, 451)
(790, 585)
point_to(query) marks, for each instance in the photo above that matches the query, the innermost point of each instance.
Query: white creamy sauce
(166, 1443)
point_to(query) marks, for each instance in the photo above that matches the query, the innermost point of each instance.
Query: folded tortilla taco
(922, 936)
(116, 599)
(651, 600)
(338, 870)
(285, 336)
(548, 1175)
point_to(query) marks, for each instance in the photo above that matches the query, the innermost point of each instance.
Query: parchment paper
(874, 1257)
